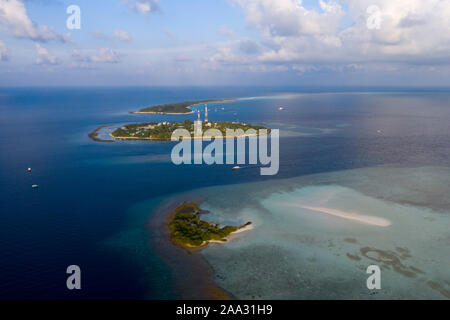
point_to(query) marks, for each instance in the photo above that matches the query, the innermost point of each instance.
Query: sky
(225, 42)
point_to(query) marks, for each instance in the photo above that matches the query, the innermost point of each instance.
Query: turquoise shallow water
(296, 253)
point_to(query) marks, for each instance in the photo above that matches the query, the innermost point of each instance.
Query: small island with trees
(190, 232)
(162, 131)
(179, 107)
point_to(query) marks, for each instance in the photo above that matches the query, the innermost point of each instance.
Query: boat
(35, 186)
(29, 170)
(281, 108)
(236, 168)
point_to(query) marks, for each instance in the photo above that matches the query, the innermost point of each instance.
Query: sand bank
(371, 220)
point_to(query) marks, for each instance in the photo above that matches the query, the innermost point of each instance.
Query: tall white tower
(206, 113)
(198, 126)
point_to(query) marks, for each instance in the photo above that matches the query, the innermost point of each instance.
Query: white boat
(35, 186)
(236, 168)
(281, 108)
(29, 170)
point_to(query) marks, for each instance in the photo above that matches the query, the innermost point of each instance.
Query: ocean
(380, 152)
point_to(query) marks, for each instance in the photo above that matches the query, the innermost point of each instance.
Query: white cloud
(410, 31)
(15, 21)
(121, 35)
(280, 18)
(4, 55)
(103, 55)
(143, 6)
(44, 57)
(236, 52)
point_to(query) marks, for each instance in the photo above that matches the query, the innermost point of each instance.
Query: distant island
(190, 232)
(162, 131)
(179, 107)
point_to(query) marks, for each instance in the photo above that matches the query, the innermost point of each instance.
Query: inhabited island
(190, 232)
(162, 131)
(179, 107)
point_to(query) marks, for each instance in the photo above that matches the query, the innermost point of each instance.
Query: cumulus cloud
(240, 52)
(409, 31)
(121, 35)
(143, 6)
(103, 55)
(4, 55)
(44, 57)
(15, 21)
(278, 18)
(248, 46)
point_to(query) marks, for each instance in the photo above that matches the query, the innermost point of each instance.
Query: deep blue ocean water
(86, 188)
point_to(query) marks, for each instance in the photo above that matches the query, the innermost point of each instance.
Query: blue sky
(226, 42)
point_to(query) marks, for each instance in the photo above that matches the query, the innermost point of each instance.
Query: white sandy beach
(243, 229)
(372, 220)
(169, 113)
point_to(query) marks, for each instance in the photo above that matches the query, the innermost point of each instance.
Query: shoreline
(188, 107)
(190, 138)
(192, 248)
(94, 134)
(169, 113)
(199, 285)
(245, 227)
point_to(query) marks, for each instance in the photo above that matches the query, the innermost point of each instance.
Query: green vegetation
(149, 130)
(94, 134)
(187, 229)
(163, 130)
(178, 107)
